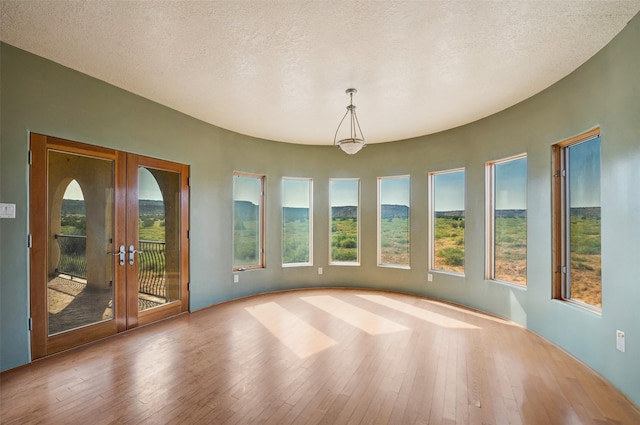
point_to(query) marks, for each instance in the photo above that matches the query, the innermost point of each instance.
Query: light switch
(620, 341)
(7, 210)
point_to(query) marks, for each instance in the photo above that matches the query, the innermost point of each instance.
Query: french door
(109, 247)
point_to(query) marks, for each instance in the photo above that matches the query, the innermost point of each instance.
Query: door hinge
(564, 269)
(188, 286)
(188, 234)
(30, 324)
(564, 173)
(30, 158)
(29, 241)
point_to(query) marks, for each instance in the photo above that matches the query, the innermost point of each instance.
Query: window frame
(561, 250)
(432, 222)
(310, 207)
(490, 234)
(261, 223)
(358, 221)
(379, 223)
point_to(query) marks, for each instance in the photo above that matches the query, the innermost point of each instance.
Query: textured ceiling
(278, 69)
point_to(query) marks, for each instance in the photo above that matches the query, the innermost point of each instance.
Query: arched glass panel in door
(158, 236)
(80, 266)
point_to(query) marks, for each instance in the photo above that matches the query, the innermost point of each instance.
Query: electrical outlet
(236, 278)
(320, 271)
(620, 340)
(429, 277)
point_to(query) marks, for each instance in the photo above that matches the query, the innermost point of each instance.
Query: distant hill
(586, 212)
(450, 214)
(149, 207)
(511, 213)
(295, 214)
(344, 212)
(245, 210)
(73, 206)
(388, 211)
(394, 211)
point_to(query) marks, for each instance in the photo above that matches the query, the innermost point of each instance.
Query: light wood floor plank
(397, 359)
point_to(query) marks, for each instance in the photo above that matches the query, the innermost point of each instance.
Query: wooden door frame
(125, 315)
(42, 344)
(134, 317)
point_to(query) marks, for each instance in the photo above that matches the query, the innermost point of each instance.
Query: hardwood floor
(327, 356)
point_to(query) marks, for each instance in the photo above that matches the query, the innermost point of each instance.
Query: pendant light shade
(354, 140)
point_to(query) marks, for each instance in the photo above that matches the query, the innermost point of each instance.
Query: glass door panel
(80, 199)
(157, 246)
(109, 242)
(158, 237)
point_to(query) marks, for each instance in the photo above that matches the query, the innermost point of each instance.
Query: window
(576, 220)
(344, 199)
(248, 221)
(393, 221)
(297, 221)
(446, 210)
(507, 220)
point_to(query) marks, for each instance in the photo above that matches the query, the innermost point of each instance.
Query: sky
(247, 188)
(344, 192)
(395, 190)
(584, 174)
(511, 185)
(73, 191)
(147, 187)
(296, 193)
(448, 191)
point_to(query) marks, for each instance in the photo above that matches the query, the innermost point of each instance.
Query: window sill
(509, 284)
(290, 265)
(580, 306)
(247, 268)
(394, 266)
(445, 272)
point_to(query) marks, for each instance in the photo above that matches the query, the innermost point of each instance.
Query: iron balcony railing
(151, 266)
(151, 269)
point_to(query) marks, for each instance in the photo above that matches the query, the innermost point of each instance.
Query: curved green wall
(40, 96)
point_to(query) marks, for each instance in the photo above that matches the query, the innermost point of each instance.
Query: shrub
(341, 254)
(246, 252)
(148, 222)
(349, 243)
(452, 256)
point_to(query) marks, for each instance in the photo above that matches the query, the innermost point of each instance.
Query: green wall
(40, 96)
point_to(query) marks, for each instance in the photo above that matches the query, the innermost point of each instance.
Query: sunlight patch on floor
(300, 337)
(62, 301)
(468, 311)
(365, 320)
(426, 315)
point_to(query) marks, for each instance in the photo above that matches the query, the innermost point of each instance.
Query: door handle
(132, 250)
(120, 253)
